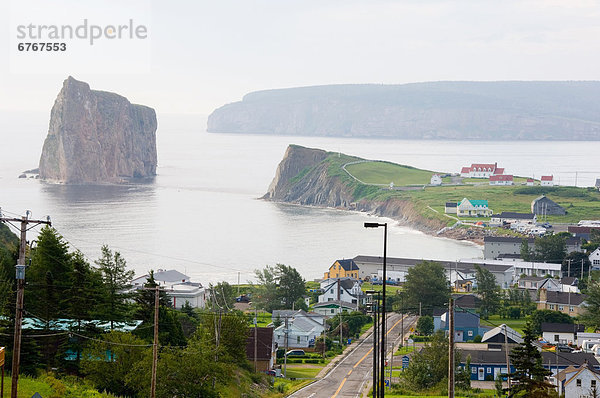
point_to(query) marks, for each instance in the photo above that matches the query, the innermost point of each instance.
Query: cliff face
(303, 177)
(437, 110)
(97, 137)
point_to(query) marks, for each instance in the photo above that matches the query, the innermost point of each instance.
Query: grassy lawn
(303, 371)
(390, 289)
(404, 350)
(495, 320)
(384, 173)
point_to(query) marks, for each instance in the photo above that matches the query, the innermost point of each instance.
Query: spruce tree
(116, 278)
(529, 374)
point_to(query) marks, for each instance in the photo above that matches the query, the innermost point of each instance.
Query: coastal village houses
(481, 170)
(506, 179)
(547, 181)
(509, 217)
(342, 269)
(473, 208)
(578, 382)
(436, 179)
(177, 286)
(302, 328)
(568, 303)
(595, 259)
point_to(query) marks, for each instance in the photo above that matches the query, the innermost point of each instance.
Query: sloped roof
(547, 178)
(501, 177)
(512, 335)
(562, 327)
(348, 264)
(565, 298)
(465, 170)
(520, 216)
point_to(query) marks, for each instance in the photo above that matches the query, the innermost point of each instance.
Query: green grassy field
(384, 173)
(495, 320)
(580, 203)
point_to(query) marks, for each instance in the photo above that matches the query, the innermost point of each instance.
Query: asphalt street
(352, 374)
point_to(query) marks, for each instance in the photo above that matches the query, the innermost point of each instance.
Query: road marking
(363, 358)
(349, 372)
(339, 388)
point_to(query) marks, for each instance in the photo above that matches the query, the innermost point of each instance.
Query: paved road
(353, 373)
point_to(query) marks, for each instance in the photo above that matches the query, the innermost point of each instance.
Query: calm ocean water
(201, 216)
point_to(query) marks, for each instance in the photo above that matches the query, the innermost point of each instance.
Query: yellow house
(342, 269)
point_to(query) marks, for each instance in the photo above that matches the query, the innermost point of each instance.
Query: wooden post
(451, 349)
(155, 345)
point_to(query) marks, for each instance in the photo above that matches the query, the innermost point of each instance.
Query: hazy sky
(199, 55)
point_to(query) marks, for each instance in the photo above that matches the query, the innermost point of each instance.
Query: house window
(489, 370)
(596, 262)
(561, 307)
(341, 292)
(329, 299)
(332, 310)
(474, 370)
(556, 337)
(551, 306)
(298, 339)
(571, 309)
(469, 333)
(578, 382)
(593, 384)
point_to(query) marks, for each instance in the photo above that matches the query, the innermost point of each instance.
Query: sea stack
(97, 137)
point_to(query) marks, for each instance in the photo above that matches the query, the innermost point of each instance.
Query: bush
(312, 360)
(489, 378)
(477, 339)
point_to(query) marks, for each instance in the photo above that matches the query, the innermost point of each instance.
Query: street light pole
(383, 329)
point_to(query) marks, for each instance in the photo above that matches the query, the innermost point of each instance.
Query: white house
(450, 207)
(481, 170)
(178, 287)
(579, 382)
(502, 179)
(597, 183)
(530, 182)
(344, 289)
(436, 179)
(563, 333)
(547, 181)
(473, 208)
(595, 259)
(302, 330)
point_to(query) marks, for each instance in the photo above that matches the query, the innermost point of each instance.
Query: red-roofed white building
(481, 170)
(530, 181)
(503, 179)
(547, 181)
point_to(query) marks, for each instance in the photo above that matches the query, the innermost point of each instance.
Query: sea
(202, 214)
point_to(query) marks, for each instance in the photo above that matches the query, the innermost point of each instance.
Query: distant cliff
(97, 137)
(313, 177)
(438, 110)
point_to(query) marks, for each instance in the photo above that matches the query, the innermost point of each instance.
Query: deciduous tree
(488, 291)
(426, 283)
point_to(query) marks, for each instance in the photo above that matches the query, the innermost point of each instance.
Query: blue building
(466, 325)
(488, 364)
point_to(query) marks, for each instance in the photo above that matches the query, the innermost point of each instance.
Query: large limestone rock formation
(97, 137)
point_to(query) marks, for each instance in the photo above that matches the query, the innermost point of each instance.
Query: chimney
(543, 295)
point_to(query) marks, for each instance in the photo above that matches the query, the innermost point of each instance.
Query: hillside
(315, 177)
(437, 110)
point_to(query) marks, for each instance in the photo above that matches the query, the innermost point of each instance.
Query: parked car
(242, 299)
(563, 348)
(295, 353)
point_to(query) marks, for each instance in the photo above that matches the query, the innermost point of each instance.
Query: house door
(481, 374)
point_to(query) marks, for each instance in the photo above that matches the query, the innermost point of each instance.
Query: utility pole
(255, 339)
(506, 354)
(569, 269)
(286, 330)
(339, 288)
(20, 276)
(155, 345)
(451, 349)
(375, 327)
